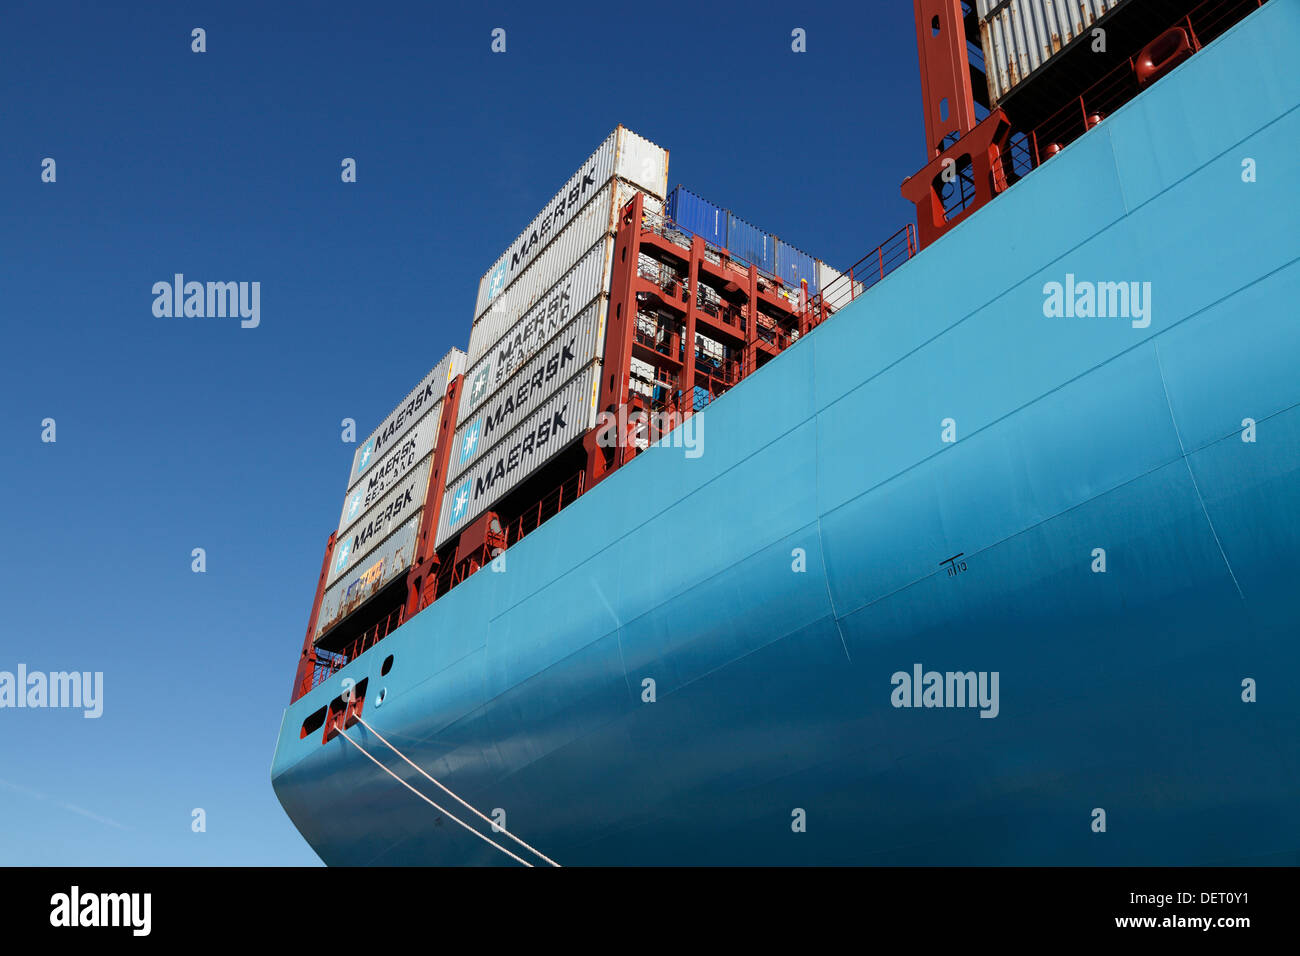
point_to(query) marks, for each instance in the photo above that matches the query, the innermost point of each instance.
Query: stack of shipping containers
(388, 490)
(1019, 38)
(774, 257)
(532, 380)
(539, 332)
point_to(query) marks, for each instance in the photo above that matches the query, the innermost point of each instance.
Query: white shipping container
(570, 352)
(552, 428)
(1019, 36)
(423, 398)
(623, 155)
(374, 526)
(393, 556)
(410, 449)
(513, 345)
(837, 290)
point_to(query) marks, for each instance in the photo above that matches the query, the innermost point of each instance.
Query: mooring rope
(430, 802)
(419, 770)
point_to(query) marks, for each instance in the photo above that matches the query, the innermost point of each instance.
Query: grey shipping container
(372, 527)
(504, 338)
(586, 231)
(422, 398)
(410, 449)
(393, 556)
(623, 155)
(576, 346)
(1021, 36)
(552, 428)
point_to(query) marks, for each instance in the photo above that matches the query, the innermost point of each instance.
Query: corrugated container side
(411, 409)
(750, 243)
(568, 353)
(699, 216)
(623, 155)
(393, 556)
(642, 163)
(410, 449)
(592, 224)
(552, 428)
(517, 332)
(551, 267)
(1020, 36)
(577, 192)
(368, 531)
(792, 265)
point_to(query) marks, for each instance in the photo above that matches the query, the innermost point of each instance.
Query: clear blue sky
(174, 434)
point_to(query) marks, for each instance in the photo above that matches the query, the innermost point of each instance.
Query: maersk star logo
(342, 560)
(367, 450)
(354, 504)
(469, 441)
(480, 383)
(460, 504)
(498, 280)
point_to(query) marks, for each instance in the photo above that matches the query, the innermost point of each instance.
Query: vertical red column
(620, 326)
(687, 383)
(421, 580)
(751, 327)
(946, 94)
(307, 661)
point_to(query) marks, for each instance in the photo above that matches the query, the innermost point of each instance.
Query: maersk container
(367, 578)
(624, 155)
(368, 531)
(568, 353)
(751, 244)
(498, 348)
(422, 399)
(793, 266)
(592, 225)
(698, 216)
(409, 451)
(1020, 36)
(552, 428)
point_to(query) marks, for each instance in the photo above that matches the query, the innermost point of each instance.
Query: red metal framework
(947, 97)
(316, 664)
(421, 580)
(974, 165)
(864, 274)
(687, 321)
(1168, 48)
(302, 681)
(700, 289)
(497, 536)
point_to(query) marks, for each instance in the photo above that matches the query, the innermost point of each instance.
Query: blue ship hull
(1119, 690)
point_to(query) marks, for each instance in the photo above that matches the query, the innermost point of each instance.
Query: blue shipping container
(750, 243)
(698, 216)
(793, 265)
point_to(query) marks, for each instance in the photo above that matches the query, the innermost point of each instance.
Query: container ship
(976, 551)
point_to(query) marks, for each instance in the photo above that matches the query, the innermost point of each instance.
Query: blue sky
(174, 433)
